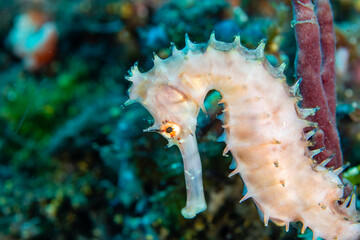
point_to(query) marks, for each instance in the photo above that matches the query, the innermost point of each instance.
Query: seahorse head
(166, 96)
(174, 112)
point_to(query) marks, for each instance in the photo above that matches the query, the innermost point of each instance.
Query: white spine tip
(306, 112)
(295, 89)
(266, 219)
(237, 40)
(341, 169)
(134, 69)
(352, 206)
(303, 229)
(287, 226)
(153, 128)
(128, 78)
(244, 198)
(189, 45)
(203, 109)
(226, 150)
(344, 205)
(174, 50)
(260, 50)
(221, 101)
(282, 67)
(315, 152)
(326, 161)
(156, 59)
(212, 38)
(127, 103)
(309, 134)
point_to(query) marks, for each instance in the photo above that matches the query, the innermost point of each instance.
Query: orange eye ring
(170, 129)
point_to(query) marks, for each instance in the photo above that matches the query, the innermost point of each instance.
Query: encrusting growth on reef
(264, 130)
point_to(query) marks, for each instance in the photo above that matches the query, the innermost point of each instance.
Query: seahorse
(263, 129)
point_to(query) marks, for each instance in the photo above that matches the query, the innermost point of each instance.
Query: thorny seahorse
(264, 131)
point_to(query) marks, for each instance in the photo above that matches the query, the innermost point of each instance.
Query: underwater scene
(81, 80)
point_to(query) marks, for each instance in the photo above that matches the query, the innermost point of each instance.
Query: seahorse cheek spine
(264, 132)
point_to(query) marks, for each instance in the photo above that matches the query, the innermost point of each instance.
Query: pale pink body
(264, 132)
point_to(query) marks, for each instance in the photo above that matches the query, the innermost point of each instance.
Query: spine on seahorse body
(264, 132)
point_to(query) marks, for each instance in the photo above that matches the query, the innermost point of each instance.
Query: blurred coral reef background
(74, 164)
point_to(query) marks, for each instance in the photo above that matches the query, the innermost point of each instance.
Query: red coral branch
(327, 41)
(315, 66)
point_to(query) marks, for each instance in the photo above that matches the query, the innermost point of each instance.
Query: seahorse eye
(170, 129)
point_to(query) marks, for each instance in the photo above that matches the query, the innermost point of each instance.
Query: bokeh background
(75, 164)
